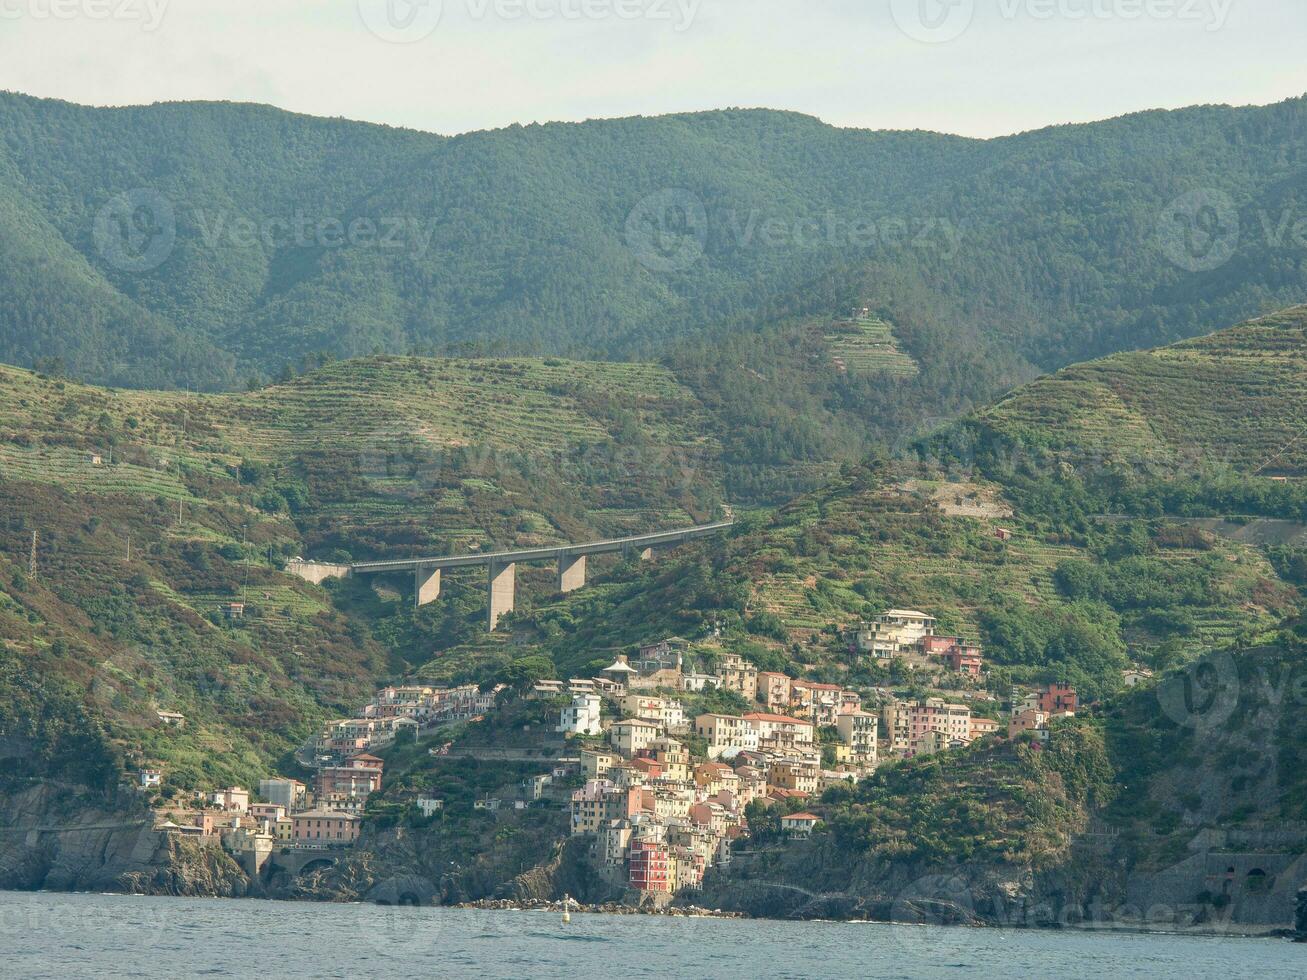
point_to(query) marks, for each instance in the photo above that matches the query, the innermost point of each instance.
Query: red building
(651, 867)
(965, 660)
(1058, 698)
(963, 657)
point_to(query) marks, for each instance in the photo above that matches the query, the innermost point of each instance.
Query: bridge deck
(544, 554)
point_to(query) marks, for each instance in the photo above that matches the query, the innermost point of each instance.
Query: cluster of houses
(664, 795)
(909, 636)
(327, 814)
(396, 709)
(286, 815)
(1036, 711)
(659, 818)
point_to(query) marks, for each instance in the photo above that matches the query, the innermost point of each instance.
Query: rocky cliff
(60, 836)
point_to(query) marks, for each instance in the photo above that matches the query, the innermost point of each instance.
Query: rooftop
(779, 719)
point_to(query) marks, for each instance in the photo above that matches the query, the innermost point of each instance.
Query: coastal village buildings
(1036, 711)
(633, 735)
(659, 818)
(726, 733)
(909, 636)
(799, 825)
(329, 827)
(737, 674)
(287, 793)
(894, 632)
(357, 777)
(582, 716)
(860, 731)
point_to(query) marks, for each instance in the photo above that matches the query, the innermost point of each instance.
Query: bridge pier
(426, 587)
(571, 572)
(503, 580)
(643, 554)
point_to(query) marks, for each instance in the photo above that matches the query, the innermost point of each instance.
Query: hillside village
(661, 792)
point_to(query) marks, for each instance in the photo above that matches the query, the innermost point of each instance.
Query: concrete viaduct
(502, 565)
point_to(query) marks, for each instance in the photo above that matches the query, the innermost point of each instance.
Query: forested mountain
(195, 244)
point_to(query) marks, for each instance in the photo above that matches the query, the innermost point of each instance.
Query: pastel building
(582, 716)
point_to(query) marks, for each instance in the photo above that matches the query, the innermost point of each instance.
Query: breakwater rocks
(606, 908)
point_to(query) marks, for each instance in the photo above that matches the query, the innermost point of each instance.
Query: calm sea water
(50, 935)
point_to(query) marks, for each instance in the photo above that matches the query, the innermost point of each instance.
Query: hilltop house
(894, 632)
(799, 825)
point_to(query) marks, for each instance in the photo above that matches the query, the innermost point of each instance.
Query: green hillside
(198, 243)
(197, 500)
(1113, 556)
(867, 345)
(1229, 400)
(152, 512)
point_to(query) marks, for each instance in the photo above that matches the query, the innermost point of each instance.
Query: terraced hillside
(1123, 490)
(1233, 399)
(867, 345)
(151, 514)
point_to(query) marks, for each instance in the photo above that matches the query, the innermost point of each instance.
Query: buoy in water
(567, 917)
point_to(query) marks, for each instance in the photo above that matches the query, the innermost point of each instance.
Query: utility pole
(31, 560)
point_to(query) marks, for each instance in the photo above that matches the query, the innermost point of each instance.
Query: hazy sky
(977, 67)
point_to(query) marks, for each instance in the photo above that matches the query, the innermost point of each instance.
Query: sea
(45, 934)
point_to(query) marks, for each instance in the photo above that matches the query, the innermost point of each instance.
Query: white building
(726, 734)
(894, 632)
(429, 806)
(581, 717)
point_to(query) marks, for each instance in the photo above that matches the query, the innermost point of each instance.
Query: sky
(974, 67)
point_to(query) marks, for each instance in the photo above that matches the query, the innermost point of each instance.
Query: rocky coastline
(604, 908)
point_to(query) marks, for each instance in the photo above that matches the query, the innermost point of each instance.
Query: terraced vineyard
(153, 512)
(1233, 399)
(867, 345)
